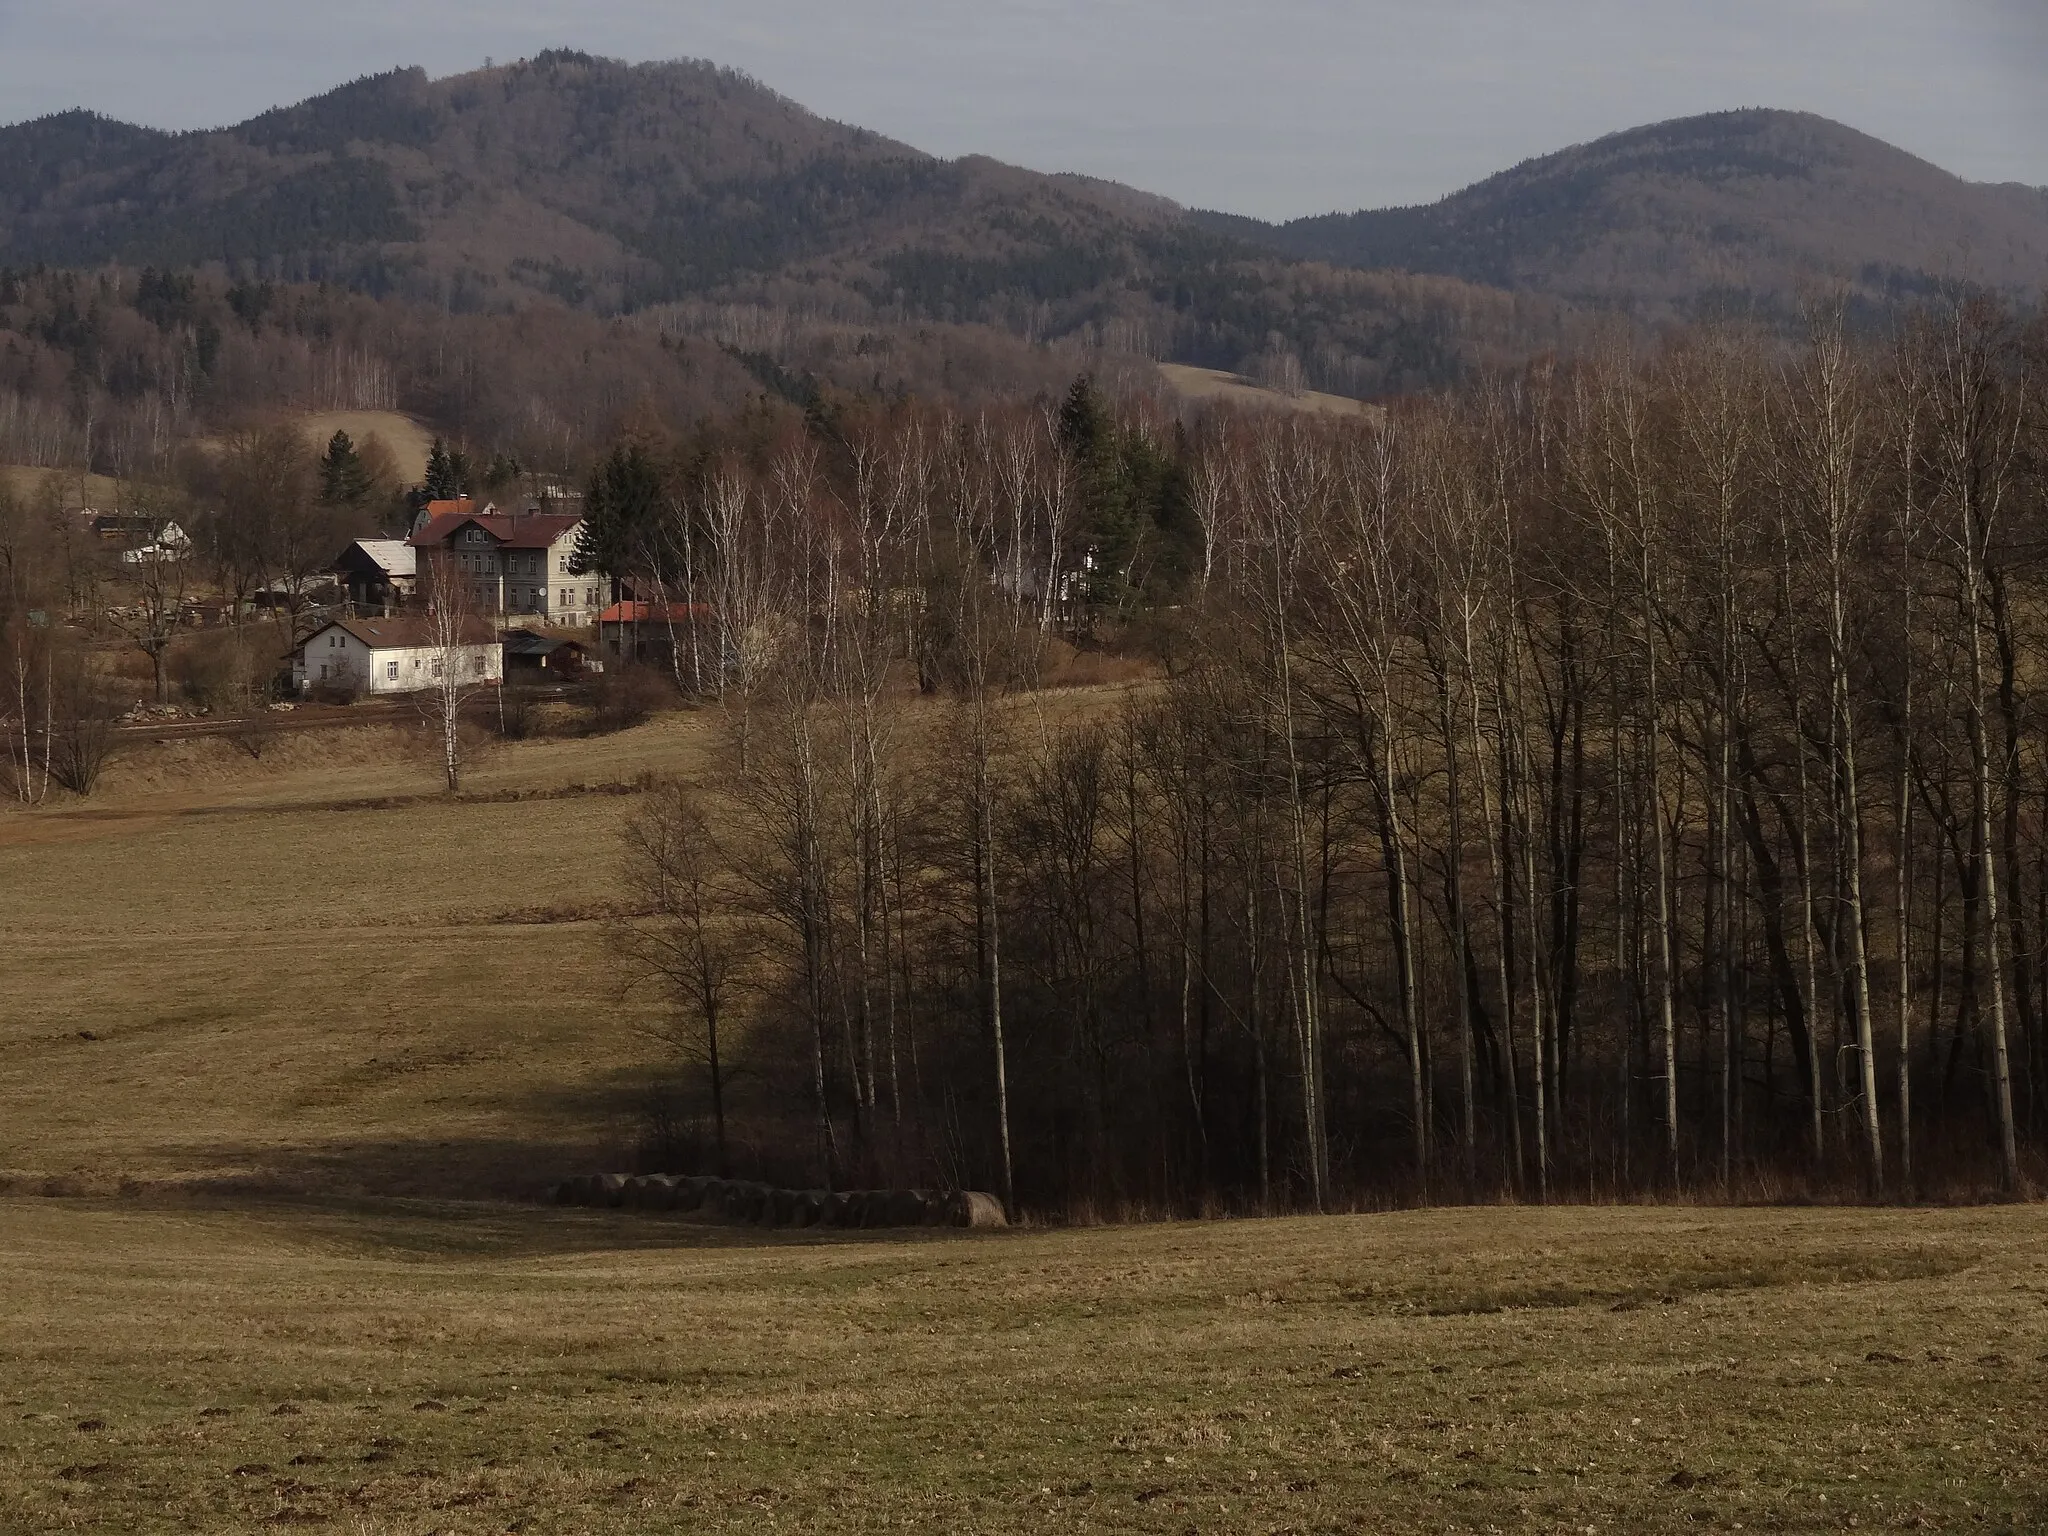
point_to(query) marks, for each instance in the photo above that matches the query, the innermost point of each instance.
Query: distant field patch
(1214, 384)
(409, 442)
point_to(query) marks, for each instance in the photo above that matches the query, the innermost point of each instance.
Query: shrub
(626, 696)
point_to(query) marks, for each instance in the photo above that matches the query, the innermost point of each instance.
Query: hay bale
(611, 1190)
(808, 1208)
(972, 1208)
(565, 1193)
(744, 1200)
(934, 1207)
(634, 1195)
(838, 1206)
(659, 1192)
(689, 1195)
(902, 1208)
(782, 1208)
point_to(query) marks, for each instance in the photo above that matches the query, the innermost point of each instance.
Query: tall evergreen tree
(344, 478)
(621, 508)
(443, 482)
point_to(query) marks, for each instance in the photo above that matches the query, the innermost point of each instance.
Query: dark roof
(535, 530)
(524, 642)
(406, 632)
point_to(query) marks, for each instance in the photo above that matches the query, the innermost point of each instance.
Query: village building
(533, 658)
(512, 563)
(401, 655)
(658, 635)
(379, 575)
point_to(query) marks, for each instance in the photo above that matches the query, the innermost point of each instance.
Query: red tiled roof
(537, 530)
(654, 613)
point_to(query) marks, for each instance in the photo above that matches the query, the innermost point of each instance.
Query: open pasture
(396, 1367)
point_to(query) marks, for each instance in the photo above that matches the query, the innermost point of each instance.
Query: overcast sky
(1269, 107)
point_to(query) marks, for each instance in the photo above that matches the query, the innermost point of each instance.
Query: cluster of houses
(515, 572)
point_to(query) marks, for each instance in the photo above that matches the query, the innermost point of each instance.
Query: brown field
(394, 1367)
(408, 441)
(265, 1023)
(1214, 384)
(74, 488)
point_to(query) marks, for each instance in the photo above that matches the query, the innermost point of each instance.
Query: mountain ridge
(1658, 218)
(700, 196)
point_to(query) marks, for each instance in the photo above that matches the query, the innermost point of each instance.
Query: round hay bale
(659, 1193)
(611, 1190)
(838, 1207)
(902, 1208)
(634, 1195)
(582, 1189)
(808, 1208)
(690, 1192)
(743, 1201)
(782, 1207)
(565, 1192)
(972, 1208)
(934, 1207)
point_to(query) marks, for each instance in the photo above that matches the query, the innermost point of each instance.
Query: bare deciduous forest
(1620, 779)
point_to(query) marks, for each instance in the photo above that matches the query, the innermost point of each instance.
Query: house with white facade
(515, 564)
(401, 655)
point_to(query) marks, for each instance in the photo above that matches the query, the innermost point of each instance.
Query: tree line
(1622, 777)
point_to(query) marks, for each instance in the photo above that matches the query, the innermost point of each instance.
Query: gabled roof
(394, 557)
(536, 530)
(404, 633)
(524, 642)
(655, 613)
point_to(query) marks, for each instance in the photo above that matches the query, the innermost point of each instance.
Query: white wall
(391, 669)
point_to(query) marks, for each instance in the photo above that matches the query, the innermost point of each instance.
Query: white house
(370, 656)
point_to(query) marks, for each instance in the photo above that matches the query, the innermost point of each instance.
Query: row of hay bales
(744, 1202)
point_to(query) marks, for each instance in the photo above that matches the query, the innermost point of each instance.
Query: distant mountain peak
(1745, 208)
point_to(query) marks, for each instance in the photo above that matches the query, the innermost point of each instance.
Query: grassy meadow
(406, 1367)
(280, 1035)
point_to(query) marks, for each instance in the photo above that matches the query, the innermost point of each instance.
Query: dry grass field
(408, 441)
(394, 1367)
(74, 489)
(1214, 384)
(316, 973)
(276, 1031)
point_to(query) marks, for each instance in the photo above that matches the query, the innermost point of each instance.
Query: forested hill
(621, 187)
(741, 218)
(1732, 212)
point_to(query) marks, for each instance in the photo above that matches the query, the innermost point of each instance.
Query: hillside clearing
(1235, 389)
(409, 442)
(397, 1367)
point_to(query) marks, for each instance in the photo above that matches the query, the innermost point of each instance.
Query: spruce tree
(344, 479)
(442, 482)
(620, 510)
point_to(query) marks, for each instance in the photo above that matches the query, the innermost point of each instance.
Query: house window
(478, 668)
(390, 671)
(323, 671)
(437, 666)
(565, 598)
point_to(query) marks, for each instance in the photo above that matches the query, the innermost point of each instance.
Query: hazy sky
(1271, 107)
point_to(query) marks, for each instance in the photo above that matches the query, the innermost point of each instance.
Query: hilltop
(1732, 212)
(696, 190)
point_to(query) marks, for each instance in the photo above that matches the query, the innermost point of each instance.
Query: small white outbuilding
(401, 655)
